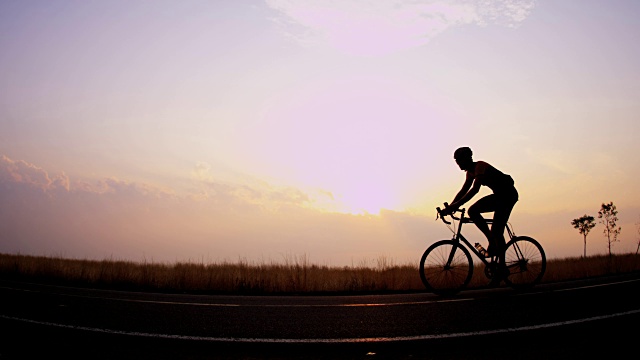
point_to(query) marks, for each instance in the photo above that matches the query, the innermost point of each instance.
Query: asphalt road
(595, 317)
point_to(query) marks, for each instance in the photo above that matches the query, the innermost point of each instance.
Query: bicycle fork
(452, 253)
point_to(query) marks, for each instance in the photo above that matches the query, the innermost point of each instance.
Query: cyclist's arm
(468, 181)
(467, 193)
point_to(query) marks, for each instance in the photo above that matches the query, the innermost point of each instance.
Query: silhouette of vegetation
(296, 276)
(584, 224)
(609, 216)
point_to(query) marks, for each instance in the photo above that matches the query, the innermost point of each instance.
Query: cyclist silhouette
(501, 202)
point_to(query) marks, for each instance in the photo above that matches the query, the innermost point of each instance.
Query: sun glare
(363, 139)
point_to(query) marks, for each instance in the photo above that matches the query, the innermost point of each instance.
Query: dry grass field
(292, 276)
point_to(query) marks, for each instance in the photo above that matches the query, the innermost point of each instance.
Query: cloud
(379, 27)
(20, 179)
(113, 218)
(19, 171)
(244, 189)
(508, 13)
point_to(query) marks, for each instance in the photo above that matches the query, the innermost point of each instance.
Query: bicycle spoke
(525, 262)
(446, 267)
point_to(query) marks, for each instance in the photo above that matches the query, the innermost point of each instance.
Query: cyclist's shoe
(500, 274)
(495, 282)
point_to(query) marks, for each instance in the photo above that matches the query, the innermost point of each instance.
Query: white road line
(599, 285)
(338, 340)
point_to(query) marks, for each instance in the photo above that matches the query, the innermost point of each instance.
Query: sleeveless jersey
(489, 176)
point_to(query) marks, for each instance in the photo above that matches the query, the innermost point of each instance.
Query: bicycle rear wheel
(446, 267)
(525, 262)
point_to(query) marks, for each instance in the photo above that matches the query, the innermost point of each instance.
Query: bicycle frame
(458, 237)
(447, 266)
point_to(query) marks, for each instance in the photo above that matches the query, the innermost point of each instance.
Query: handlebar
(440, 216)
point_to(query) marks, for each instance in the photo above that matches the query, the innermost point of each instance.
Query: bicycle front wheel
(525, 262)
(446, 267)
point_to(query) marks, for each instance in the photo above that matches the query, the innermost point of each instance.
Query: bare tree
(609, 216)
(584, 224)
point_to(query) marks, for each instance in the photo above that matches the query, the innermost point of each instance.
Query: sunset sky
(271, 130)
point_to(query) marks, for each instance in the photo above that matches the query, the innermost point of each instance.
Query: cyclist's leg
(503, 207)
(497, 242)
(484, 205)
(500, 218)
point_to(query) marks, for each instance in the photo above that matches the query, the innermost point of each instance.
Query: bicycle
(446, 267)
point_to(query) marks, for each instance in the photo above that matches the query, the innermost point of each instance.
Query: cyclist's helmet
(462, 153)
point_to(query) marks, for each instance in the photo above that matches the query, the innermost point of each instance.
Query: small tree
(609, 216)
(584, 224)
